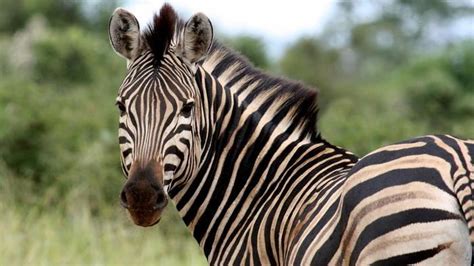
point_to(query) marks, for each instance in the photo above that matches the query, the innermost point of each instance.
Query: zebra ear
(197, 38)
(124, 34)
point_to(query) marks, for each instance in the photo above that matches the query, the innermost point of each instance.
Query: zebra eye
(121, 107)
(187, 108)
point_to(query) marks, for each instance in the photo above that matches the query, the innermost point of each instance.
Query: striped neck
(255, 135)
(258, 91)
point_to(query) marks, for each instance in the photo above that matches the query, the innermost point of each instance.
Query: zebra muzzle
(143, 195)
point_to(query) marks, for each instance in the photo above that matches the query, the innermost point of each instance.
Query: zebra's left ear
(197, 38)
(124, 34)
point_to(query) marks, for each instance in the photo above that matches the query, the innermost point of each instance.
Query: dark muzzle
(143, 194)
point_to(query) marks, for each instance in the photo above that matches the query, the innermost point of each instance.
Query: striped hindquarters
(408, 202)
(465, 186)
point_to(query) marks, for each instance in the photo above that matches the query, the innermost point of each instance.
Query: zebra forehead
(164, 85)
(160, 32)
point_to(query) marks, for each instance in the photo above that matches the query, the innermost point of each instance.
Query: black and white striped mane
(291, 96)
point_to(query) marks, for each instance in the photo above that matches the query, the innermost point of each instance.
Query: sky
(278, 22)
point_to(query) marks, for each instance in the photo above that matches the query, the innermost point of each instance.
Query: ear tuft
(124, 33)
(197, 37)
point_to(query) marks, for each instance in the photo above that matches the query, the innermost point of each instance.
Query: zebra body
(251, 176)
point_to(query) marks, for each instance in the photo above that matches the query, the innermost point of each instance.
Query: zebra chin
(145, 218)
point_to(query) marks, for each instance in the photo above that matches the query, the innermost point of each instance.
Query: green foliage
(60, 171)
(21, 143)
(64, 57)
(15, 14)
(392, 33)
(445, 94)
(12, 16)
(316, 65)
(252, 47)
(434, 9)
(70, 56)
(428, 96)
(383, 78)
(460, 63)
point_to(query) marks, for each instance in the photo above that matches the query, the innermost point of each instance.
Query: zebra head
(159, 106)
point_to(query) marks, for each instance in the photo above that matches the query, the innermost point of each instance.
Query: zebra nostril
(161, 201)
(123, 199)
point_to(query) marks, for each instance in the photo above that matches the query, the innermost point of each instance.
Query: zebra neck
(248, 149)
(256, 90)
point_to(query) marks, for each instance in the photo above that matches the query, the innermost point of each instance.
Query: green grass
(34, 237)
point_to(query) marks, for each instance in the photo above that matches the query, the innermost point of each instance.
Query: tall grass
(39, 237)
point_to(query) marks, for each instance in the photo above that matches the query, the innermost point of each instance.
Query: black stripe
(396, 221)
(169, 167)
(123, 140)
(129, 132)
(185, 142)
(410, 258)
(246, 165)
(385, 156)
(262, 196)
(183, 127)
(366, 189)
(126, 152)
(223, 65)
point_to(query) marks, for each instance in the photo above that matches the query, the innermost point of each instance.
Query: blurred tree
(93, 15)
(22, 136)
(56, 78)
(366, 40)
(386, 73)
(15, 14)
(66, 56)
(445, 94)
(316, 64)
(251, 47)
(385, 33)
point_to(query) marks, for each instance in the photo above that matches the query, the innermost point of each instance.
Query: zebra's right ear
(197, 38)
(124, 34)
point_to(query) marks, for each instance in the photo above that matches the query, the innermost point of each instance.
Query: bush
(440, 89)
(59, 133)
(72, 57)
(24, 129)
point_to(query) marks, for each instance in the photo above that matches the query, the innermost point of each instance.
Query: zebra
(239, 153)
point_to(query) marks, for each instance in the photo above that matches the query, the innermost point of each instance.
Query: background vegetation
(399, 72)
